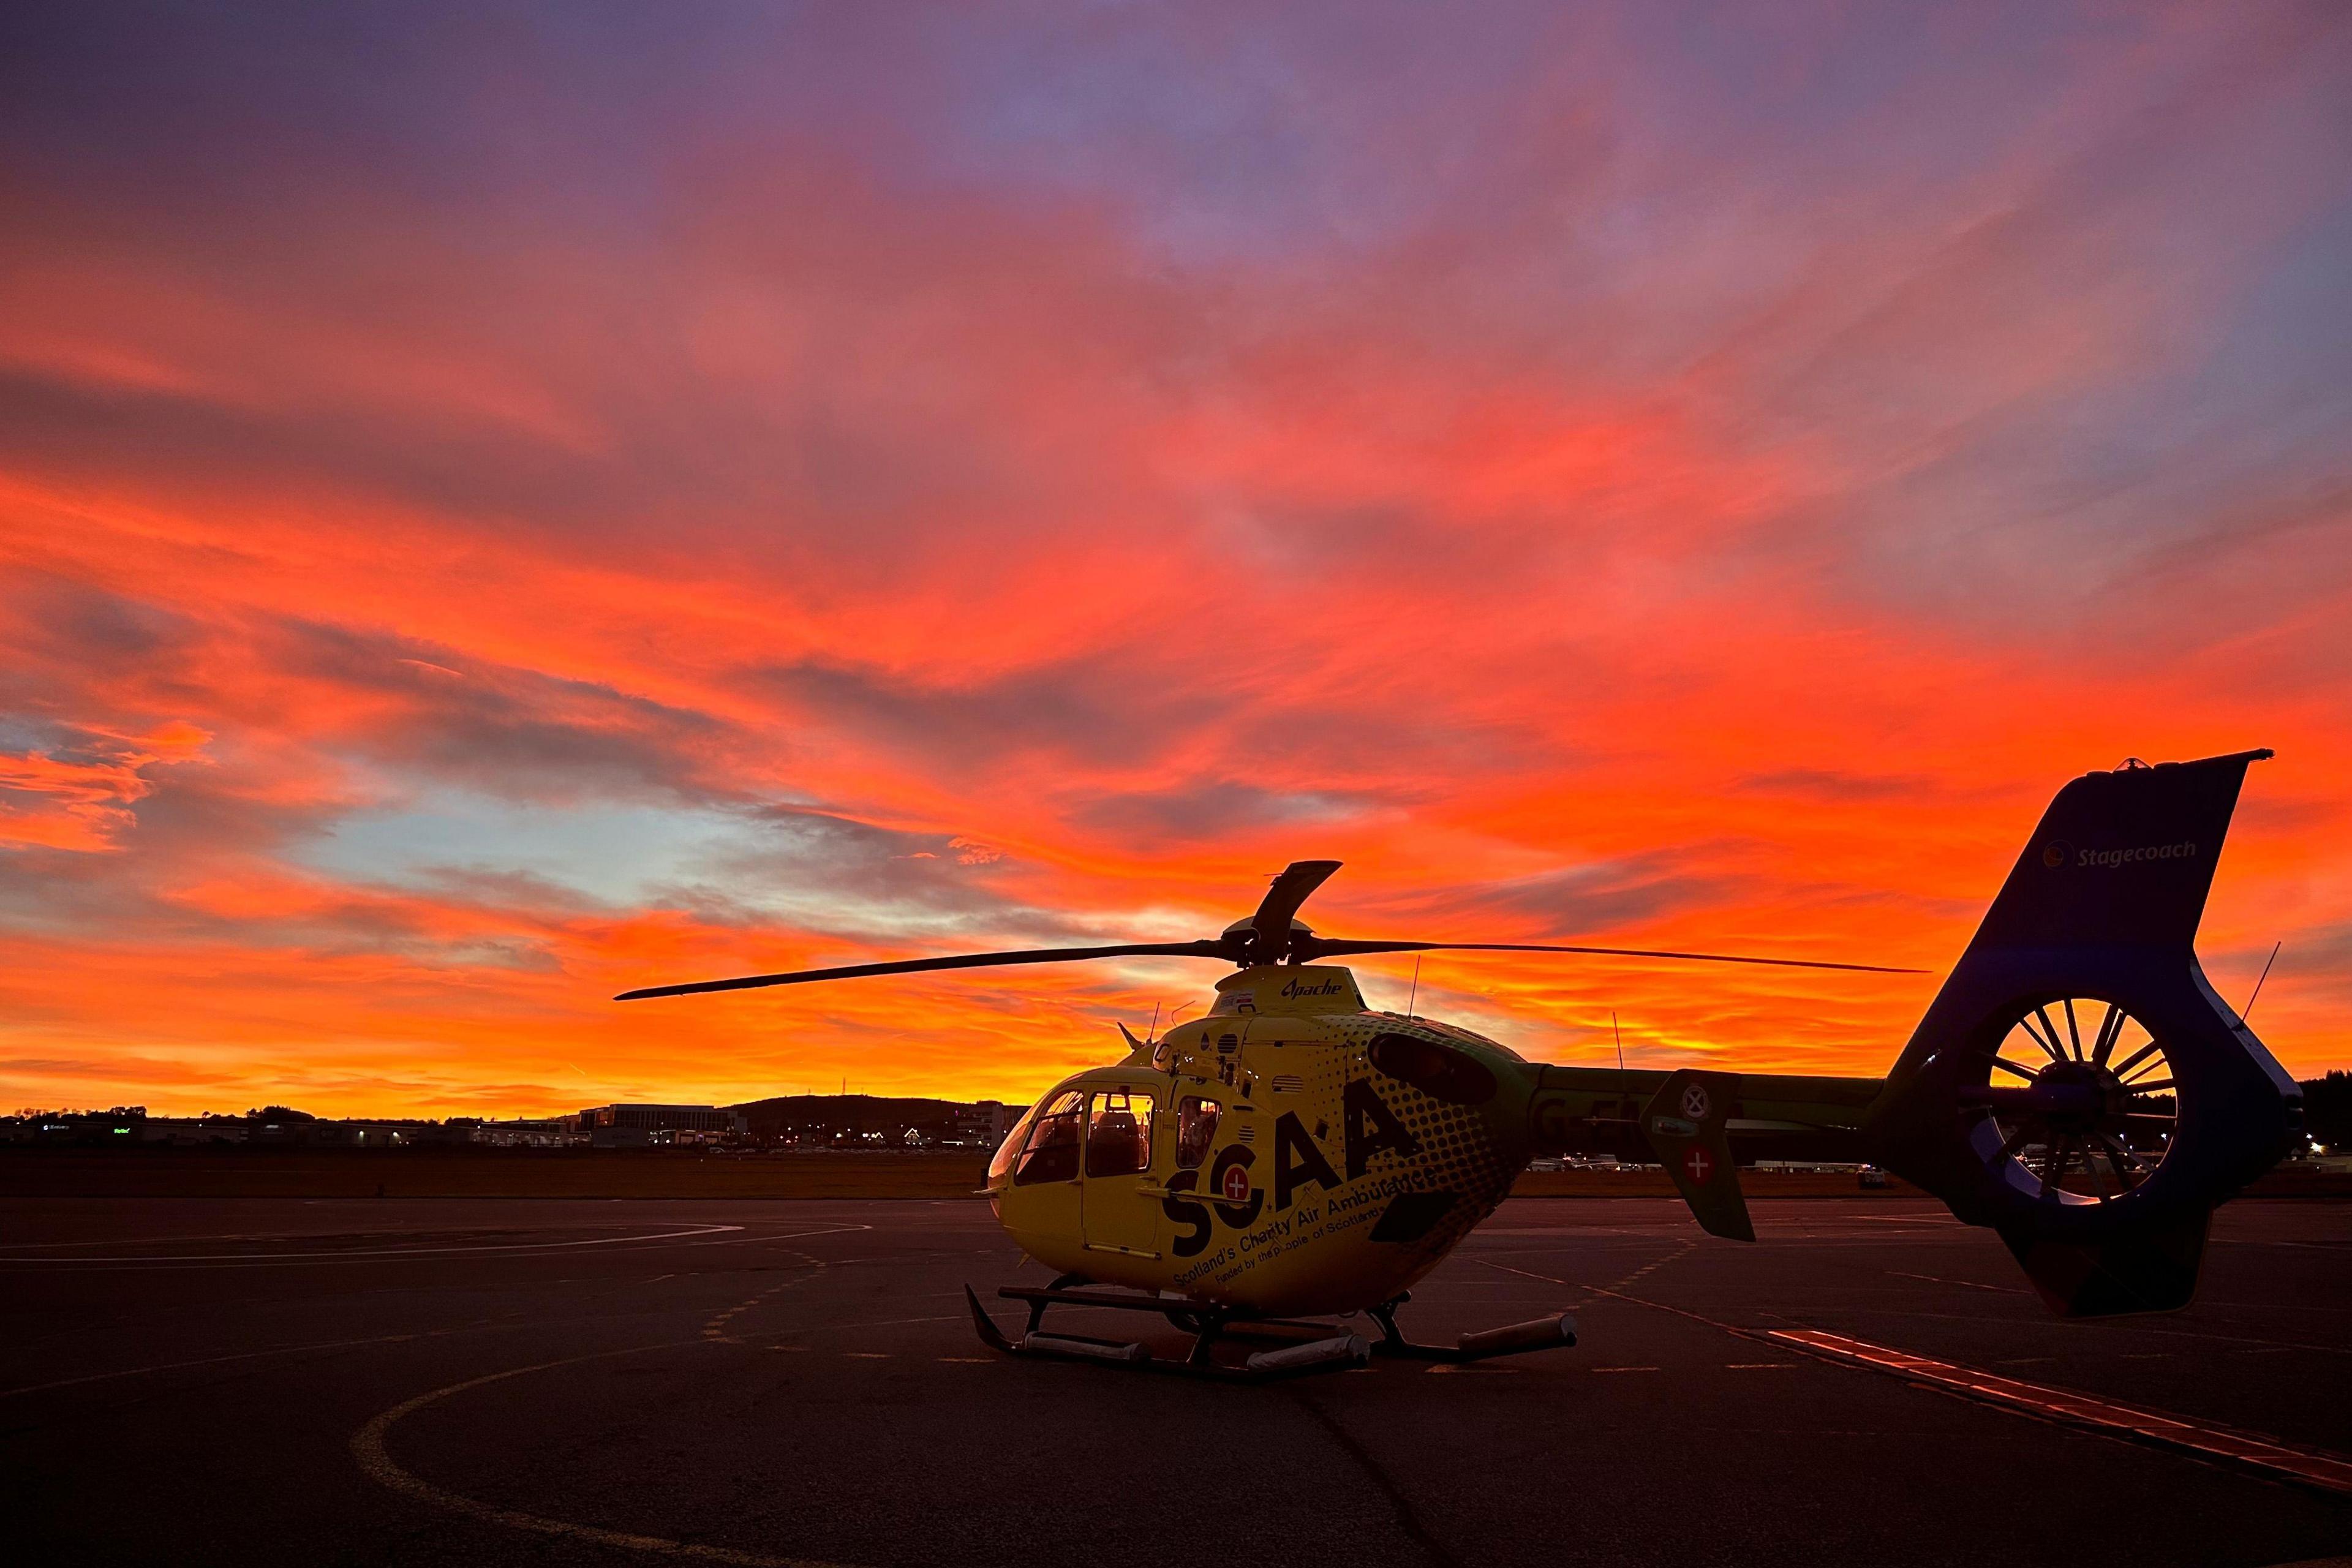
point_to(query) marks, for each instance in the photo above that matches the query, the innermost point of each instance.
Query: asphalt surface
(358, 1382)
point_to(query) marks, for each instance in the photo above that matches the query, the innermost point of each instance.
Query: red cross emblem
(1236, 1184)
(1698, 1164)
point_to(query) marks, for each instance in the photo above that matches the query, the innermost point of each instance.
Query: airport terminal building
(638, 1126)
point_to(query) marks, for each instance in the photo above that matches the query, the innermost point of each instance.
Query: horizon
(142, 1108)
(505, 508)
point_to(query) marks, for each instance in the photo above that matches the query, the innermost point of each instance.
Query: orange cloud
(82, 800)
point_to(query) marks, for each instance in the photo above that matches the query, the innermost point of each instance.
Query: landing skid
(1334, 1352)
(1516, 1338)
(1307, 1347)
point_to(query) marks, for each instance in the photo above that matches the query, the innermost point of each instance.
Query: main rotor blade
(955, 961)
(1291, 888)
(1314, 947)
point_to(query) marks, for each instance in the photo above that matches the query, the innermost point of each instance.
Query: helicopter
(1294, 1156)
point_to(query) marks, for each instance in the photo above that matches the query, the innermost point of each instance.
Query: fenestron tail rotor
(2096, 1110)
(1274, 934)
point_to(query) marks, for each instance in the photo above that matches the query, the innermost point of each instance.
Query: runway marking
(2148, 1329)
(2120, 1421)
(1940, 1279)
(2310, 1466)
(142, 1241)
(1757, 1365)
(1623, 1369)
(215, 1361)
(1636, 1301)
(2258, 1241)
(787, 1235)
(225, 1259)
(376, 1462)
(854, 1326)
(869, 1356)
(395, 1339)
(715, 1328)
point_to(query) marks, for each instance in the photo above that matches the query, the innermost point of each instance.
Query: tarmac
(367, 1381)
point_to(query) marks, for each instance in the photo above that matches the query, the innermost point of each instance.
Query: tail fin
(2076, 1084)
(2123, 857)
(1684, 1122)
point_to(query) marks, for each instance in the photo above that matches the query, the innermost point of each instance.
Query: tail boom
(2082, 991)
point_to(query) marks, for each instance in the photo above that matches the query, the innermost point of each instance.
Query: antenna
(1621, 1039)
(1414, 994)
(1152, 1034)
(2247, 1011)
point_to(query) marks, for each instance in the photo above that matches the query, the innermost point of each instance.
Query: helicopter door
(1116, 1215)
(1046, 1180)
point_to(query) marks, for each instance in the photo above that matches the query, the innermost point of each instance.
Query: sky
(503, 503)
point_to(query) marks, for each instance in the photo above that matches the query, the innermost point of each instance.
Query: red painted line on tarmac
(2331, 1472)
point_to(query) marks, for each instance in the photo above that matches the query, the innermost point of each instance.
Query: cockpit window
(1053, 1152)
(1196, 1129)
(1119, 1135)
(1000, 1164)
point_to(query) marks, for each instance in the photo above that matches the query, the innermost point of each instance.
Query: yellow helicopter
(1294, 1154)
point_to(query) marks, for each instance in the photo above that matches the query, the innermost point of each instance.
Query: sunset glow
(499, 509)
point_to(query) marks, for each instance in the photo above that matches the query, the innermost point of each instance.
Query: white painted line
(377, 1252)
(2311, 1467)
(377, 1463)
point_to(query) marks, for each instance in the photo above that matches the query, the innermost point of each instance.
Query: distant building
(533, 1132)
(189, 1131)
(403, 1134)
(986, 1123)
(641, 1126)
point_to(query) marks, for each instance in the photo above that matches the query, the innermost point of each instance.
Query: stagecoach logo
(2058, 852)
